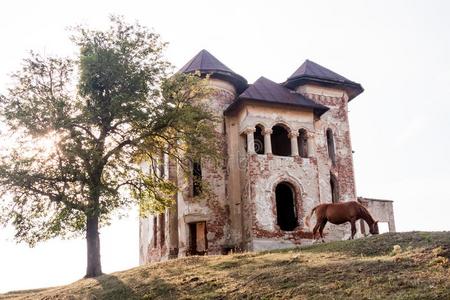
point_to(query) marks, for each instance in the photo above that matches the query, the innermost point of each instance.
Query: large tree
(78, 129)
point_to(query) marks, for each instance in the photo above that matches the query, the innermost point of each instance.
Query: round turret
(205, 63)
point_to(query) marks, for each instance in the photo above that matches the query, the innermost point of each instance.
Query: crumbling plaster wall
(241, 211)
(213, 207)
(151, 247)
(310, 177)
(265, 172)
(145, 236)
(236, 195)
(337, 120)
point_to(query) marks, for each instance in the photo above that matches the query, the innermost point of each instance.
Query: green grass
(413, 265)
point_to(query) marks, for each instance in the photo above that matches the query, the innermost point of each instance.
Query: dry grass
(390, 266)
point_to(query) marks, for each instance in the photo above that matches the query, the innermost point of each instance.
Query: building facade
(286, 148)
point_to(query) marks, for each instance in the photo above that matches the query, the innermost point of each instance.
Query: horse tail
(308, 218)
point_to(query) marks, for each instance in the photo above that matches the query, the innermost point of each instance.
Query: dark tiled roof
(310, 71)
(206, 63)
(310, 68)
(268, 91)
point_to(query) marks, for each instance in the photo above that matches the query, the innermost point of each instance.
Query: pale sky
(400, 126)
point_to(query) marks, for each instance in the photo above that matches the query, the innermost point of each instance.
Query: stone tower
(286, 149)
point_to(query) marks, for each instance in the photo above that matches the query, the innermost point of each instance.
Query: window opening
(303, 143)
(281, 143)
(334, 189)
(259, 140)
(331, 148)
(197, 178)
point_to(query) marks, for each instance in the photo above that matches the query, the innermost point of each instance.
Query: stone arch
(286, 208)
(246, 124)
(281, 122)
(307, 130)
(281, 143)
(262, 124)
(298, 189)
(332, 127)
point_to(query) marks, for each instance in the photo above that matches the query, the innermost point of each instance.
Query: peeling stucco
(240, 213)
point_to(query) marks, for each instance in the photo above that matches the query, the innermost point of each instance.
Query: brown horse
(340, 213)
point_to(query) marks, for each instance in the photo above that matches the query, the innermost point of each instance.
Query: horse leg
(315, 229)
(322, 226)
(352, 222)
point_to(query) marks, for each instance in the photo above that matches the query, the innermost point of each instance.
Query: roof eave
(353, 89)
(239, 82)
(319, 111)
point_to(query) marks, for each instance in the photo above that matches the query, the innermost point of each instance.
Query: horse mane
(365, 214)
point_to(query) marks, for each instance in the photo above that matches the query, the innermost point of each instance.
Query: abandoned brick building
(286, 149)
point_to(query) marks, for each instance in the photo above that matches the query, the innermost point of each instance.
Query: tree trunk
(94, 267)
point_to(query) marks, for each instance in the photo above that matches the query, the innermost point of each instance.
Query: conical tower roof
(310, 71)
(206, 63)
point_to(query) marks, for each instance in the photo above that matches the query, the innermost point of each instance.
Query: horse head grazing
(374, 228)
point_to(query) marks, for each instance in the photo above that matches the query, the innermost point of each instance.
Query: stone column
(311, 144)
(294, 144)
(267, 141)
(250, 140)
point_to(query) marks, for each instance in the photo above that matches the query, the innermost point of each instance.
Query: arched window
(259, 139)
(281, 144)
(334, 189)
(302, 143)
(330, 143)
(285, 201)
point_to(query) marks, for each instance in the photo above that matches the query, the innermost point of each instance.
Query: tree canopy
(79, 127)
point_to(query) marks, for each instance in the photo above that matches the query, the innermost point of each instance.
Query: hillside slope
(412, 265)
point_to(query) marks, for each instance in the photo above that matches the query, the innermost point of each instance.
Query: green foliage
(156, 196)
(80, 129)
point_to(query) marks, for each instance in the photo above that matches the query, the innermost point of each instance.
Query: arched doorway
(285, 202)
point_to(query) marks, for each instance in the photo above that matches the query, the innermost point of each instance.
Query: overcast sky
(400, 126)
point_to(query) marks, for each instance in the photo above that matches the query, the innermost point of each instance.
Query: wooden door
(198, 245)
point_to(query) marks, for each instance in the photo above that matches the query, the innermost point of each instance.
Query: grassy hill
(413, 265)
